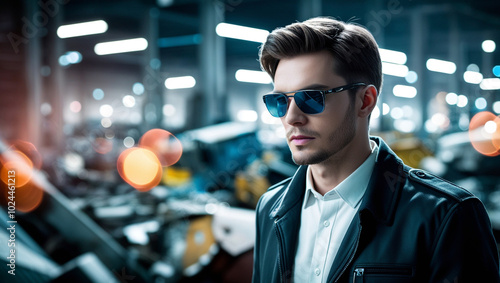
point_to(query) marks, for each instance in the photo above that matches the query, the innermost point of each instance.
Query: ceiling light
(180, 82)
(392, 56)
(490, 84)
(121, 46)
(473, 77)
(441, 66)
(404, 91)
(241, 32)
(81, 29)
(250, 76)
(394, 69)
(488, 46)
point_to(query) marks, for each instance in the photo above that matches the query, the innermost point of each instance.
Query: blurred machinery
(186, 229)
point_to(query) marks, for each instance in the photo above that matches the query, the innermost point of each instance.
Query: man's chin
(305, 159)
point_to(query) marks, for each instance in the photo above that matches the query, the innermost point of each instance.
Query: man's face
(315, 138)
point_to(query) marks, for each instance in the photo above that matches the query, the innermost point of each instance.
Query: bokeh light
(102, 145)
(106, 110)
(168, 110)
(17, 164)
(75, 106)
(451, 98)
(45, 109)
(98, 94)
(462, 101)
(481, 103)
(166, 146)
(484, 133)
(140, 168)
(106, 122)
(128, 101)
(29, 150)
(138, 88)
(128, 142)
(28, 197)
(17, 171)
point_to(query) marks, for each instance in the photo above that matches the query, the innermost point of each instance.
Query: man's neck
(328, 174)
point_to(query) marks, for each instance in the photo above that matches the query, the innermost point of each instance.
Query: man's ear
(369, 97)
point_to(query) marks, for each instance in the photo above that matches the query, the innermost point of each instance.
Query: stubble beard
(339, 139)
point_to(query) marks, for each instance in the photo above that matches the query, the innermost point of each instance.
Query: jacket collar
(293, 194)
(385, 184)
(381, 195)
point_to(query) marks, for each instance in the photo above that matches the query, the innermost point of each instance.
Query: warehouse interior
(143, 161)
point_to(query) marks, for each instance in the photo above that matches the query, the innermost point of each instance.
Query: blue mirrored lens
(276, 104)
(310, 102)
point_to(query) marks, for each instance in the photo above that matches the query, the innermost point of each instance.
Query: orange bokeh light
(165, 145)
(27, 197)
(29, 150)
(16, 163)
(484, 133)
(140, 168)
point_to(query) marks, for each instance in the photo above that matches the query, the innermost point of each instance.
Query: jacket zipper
(352, 255)
(361, 271)
(281, 250)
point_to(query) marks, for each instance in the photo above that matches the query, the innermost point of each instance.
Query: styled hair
(353, 47)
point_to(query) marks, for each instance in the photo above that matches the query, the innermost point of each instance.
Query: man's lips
(300, 140)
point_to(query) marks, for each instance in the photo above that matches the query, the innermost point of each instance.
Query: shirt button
(317, 271)
(326, 223)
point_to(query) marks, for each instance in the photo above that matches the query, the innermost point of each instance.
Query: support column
(454, 51)
(34, 81)
(417, 50)
(53, 130)
(153, 82)
(212, 56)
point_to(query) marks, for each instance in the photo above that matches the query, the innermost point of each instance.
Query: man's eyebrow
(309, 87)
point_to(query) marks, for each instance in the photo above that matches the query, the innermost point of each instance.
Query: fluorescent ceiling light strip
(241, 32)
(404, 91)
(180, 82)
(394, 69)
(121, 46)
(247, 116)
(473, 77)
(81, 29)
(392, 56)
(490, 84)
(250, 76)
(441, 66)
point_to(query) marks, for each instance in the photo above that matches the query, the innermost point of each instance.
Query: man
(353, 211)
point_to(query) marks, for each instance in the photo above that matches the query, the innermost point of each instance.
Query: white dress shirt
(325, 219)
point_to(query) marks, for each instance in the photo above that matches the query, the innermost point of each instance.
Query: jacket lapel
(286, 216)
(379, 202)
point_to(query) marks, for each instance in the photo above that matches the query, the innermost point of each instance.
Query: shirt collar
(351, 189)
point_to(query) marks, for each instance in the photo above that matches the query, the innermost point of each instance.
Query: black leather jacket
(411, 227)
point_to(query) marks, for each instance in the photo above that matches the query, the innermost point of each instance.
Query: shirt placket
(325, 226)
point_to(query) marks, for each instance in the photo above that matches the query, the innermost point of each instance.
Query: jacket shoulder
(280, 184)
(273, 196)
(437, 185)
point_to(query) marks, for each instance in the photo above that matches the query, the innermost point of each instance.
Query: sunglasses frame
(322, 92)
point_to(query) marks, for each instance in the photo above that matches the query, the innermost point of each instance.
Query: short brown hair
(353, 47)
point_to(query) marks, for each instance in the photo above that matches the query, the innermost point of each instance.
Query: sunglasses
(308, 101)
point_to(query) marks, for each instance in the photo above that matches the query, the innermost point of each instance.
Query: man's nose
(294, 115)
